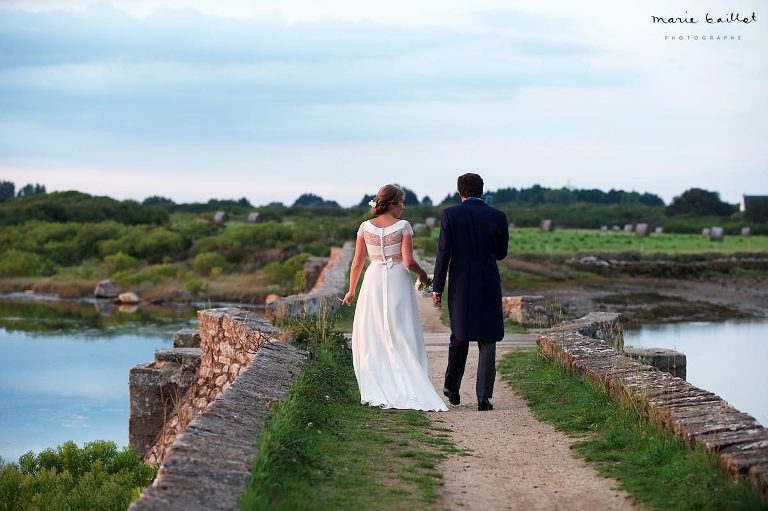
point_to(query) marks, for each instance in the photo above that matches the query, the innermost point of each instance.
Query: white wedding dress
(388, 350)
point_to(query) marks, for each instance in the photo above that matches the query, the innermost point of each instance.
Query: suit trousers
(486, 367)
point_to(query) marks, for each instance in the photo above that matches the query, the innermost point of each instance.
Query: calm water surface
(64, 371)
(729, 359)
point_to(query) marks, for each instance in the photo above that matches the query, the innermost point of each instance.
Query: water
(729, 359)
(64, 371)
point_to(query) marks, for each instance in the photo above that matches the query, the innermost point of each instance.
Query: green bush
(206, 262)
(98, 476)
(17, 263)
(288, 273)
(119, 262)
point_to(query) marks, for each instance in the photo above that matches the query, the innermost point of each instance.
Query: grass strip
(322, 449)
(653, 466)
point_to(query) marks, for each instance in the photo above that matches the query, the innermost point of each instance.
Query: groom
(473, 236)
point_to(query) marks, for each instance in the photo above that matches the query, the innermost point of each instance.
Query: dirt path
(517, 462)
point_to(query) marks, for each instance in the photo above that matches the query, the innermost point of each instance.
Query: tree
(366, 198)
(7, 190)
(30, 190)
(757, 211)
(426, 201)
(697, 201)
(314, 201)
(156, 199)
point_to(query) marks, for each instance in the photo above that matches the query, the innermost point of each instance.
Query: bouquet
(424, 289)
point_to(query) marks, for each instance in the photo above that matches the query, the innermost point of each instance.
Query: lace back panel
(384, 243)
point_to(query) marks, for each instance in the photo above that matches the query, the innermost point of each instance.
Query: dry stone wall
(209, 464)
(229, 339)
(325, 297)
(593, 346)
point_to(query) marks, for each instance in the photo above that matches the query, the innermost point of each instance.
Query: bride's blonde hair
(385, 197)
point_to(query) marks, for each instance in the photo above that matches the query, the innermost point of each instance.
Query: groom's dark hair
(470, 185)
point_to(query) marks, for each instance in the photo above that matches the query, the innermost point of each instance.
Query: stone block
(105, 289)
(186, 338)
(670, 361)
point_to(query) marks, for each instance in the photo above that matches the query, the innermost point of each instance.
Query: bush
(98, 476)
(17, 263)
(206, 262)
(287, 273)
(119, 262)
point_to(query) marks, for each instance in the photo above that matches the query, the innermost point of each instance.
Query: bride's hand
(424, 278)
(348, 298)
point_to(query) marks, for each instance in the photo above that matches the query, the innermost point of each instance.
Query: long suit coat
(473, 236)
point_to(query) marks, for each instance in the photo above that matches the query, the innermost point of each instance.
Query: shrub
(17, 263)
(206, 262)
(119, 262)
(98, 476)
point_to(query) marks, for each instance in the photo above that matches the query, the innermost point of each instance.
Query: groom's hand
(437, 299)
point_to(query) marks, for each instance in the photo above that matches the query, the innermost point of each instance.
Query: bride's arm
(409, 261)
(354, 272)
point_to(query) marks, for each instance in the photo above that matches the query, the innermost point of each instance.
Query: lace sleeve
(407, 229)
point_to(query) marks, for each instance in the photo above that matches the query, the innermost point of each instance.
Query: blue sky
(194, 99)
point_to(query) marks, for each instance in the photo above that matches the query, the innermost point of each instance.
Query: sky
(200, 99)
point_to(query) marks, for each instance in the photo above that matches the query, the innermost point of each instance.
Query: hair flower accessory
(372, 203)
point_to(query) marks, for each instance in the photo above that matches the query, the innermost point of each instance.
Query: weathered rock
(313, 267)
(667, 360)
(129, 297)
(105, 289)
(186, 338)
(531, 310)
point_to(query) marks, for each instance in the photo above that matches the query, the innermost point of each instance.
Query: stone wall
(325, 297)
(229, 339)
(209, 464)
(592, 346)
(531, 310)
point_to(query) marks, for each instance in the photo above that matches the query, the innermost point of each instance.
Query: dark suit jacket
(473, 236)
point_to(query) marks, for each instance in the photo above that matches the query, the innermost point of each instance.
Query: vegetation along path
(516, 461)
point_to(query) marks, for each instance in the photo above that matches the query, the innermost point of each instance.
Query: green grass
(322, 449)
(653, 466)
(567, 241)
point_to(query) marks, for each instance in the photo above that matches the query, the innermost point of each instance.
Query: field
(574, 241)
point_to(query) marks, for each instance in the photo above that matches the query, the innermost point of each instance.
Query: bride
(387, 342)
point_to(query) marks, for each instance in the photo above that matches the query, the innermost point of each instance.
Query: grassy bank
(654, 467)
(322, 449)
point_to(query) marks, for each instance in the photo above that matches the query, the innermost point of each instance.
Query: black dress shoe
(453, 397)
(484, 405)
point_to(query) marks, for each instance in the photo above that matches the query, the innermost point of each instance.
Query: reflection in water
(729, 359)
(64, 371)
